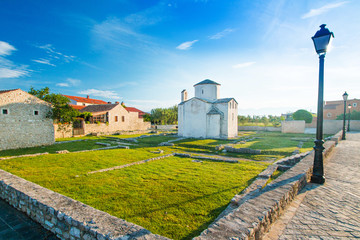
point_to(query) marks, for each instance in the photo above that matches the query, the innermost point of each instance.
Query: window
(99, 118)
(328, 114)
(36, 113)
(116, 118)
(354, 104)
(123, 118)
(202, 91)
(5, 111)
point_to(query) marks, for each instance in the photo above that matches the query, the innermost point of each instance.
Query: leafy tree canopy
(61, 110)
(164, 115)
(355, 115)
(303, 115)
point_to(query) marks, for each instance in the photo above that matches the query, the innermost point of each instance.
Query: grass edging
(253, 217)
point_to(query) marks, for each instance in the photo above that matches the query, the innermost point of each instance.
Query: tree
(355, 115)
(164, 115)
(303, 115)
(61, 110)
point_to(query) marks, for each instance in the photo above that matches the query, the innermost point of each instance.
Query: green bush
(303, 115)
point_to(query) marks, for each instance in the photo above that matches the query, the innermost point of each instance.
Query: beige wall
(63, 130)
(21, 128)
(131, 122)
(296, 126)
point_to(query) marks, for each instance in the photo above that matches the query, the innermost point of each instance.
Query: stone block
(75, 232)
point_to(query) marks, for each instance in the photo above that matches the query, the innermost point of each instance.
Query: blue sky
(146, 52)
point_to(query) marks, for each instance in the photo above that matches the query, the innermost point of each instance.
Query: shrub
(303, 115)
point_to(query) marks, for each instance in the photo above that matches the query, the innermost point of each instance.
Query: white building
(206, 115)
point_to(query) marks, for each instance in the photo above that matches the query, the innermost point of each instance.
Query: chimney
(109, 102)
(117, 102)
(87, 96)
(184, 95)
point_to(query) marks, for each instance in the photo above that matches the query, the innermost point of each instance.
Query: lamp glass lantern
(345, 96)
(322, 39)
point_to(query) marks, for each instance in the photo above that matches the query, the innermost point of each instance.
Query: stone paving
(329, 211)
(15, 225)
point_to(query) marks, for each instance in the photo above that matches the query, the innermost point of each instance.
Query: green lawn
(174, 197)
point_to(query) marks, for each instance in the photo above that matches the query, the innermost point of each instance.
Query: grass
(71, 146)
(174, 197)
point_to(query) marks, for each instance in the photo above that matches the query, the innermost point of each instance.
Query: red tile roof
(85, 100)
(132, 109)
(77, 107)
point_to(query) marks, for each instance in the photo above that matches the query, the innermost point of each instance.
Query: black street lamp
(321, 39)
(345, 96)
(349, 107)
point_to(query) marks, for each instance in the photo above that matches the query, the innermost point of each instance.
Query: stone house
(112, 118)
(24, 121)
(206, 115)
(332, 109)
(132, 109)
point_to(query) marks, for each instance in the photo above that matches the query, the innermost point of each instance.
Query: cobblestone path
(329, 211)
(15, 225)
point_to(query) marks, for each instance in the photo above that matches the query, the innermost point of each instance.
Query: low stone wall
(165, 127)
(63, 130)
(333, 126)
(242, 150)
(296, 126)
(65, 217)
(252, 218)
(258, 128)
(106, 129)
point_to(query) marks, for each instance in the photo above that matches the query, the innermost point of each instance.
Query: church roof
(224, 100)
(207, 81)
(221, 100)
(215, 111)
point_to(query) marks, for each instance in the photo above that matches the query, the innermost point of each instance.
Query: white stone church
(206, 115)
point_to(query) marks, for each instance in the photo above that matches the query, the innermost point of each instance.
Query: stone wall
(65, 217)
(63, 130)
(333, 126)
(104, 128)
(295, 126)
(165, 127)
(26, 123)
(258, 128)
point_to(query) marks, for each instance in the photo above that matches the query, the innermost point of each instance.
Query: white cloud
(243, 65)
(43, 61)
(186, 45)
(63, 85)
(115, 31)
(221, 34)
(324, 9)
(100, 93)
(10, 70)
(69, 82)
(53, 54)
(6, 48)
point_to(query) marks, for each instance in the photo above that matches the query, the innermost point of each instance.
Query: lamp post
(345, 96)
(349, 107)
(321, 41)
